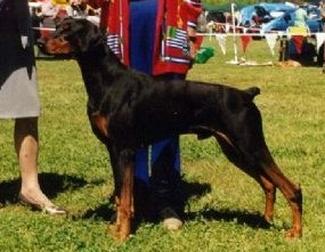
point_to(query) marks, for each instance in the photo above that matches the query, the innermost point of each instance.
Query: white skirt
(19, 95)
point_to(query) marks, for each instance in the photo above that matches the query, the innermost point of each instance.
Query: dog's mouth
(58, 45)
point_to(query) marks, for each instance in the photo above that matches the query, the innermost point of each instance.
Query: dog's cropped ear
(91, 38)
(63, 26)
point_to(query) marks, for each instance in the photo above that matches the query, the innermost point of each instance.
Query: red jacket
(174, 17)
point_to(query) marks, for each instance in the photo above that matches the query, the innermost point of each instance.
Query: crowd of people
(46, 14)
(49, 12)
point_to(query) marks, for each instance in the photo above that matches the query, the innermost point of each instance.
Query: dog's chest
(100, 125)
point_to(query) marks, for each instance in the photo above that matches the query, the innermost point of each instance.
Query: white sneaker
(171, 221)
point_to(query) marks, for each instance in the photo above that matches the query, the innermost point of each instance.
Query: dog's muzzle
(58, 46)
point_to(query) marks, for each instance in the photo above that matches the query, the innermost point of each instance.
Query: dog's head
(74, 36)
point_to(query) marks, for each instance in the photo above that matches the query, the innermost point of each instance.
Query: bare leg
(26, 145)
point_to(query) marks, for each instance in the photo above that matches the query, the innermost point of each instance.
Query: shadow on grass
(51, 183)
(107, 211)
(194, 189)
(242, 217)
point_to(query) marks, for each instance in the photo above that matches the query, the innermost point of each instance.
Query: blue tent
(249, 11)
(279, 16)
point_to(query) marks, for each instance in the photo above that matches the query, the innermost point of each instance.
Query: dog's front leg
(124, 196)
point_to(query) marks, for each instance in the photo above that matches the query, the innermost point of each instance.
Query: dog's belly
(153, 130)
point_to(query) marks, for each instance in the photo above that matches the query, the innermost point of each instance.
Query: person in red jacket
(156, 37)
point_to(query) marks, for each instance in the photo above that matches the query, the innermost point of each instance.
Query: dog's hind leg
(260, 165)
(235, 156)
(290, 191)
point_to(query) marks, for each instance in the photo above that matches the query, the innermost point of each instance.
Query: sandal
(51, 209)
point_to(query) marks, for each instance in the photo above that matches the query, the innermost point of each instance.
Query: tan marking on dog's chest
(101, 123)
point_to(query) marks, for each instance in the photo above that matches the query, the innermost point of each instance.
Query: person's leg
(165, 182)
(142, 34)
(165, 178)
(26, 145)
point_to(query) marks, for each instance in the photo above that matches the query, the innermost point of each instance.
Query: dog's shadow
(51, 184)
(242, 217)
(106, 212)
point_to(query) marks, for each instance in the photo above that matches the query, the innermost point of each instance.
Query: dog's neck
(96, 52)
(99, 67)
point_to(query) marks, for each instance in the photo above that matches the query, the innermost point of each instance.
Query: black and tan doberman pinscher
(128, 110)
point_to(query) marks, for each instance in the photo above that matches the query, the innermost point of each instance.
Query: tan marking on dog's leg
(257, 174)
(291, 192)
(270, 196)
(125, 209)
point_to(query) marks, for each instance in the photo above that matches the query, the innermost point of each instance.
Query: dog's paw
(293, 233)
(268, 217)
(118, 233)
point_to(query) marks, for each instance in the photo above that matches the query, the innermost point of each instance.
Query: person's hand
(24, 41)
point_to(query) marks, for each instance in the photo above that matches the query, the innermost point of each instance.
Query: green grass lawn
(224, 205)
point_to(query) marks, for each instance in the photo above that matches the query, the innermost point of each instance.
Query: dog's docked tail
(252, 92)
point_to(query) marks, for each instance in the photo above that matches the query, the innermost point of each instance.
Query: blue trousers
(142, 34)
